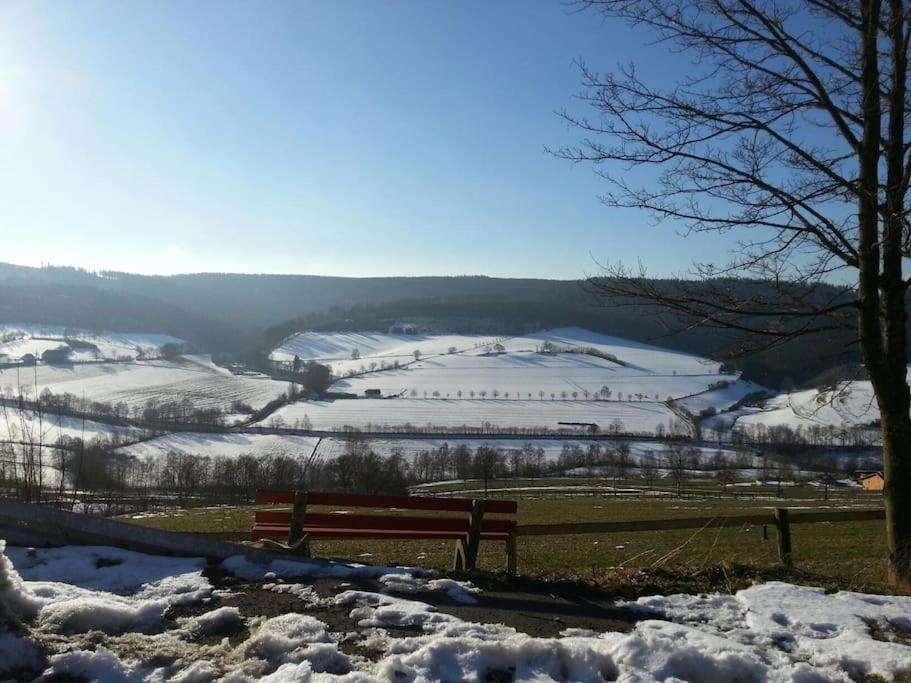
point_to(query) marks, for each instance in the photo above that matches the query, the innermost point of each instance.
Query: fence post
(783, 525)
(511, 552)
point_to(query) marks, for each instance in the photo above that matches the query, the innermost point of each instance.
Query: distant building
(590, 427)
(28, 359)
(56, 356)
(403, 328)
(373, 393)
(872, 481)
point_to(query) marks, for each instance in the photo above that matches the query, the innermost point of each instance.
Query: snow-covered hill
(134, 383)
(19, 339)
(848, 405)
(535, 380)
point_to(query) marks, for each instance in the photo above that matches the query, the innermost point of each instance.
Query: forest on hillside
(246, 314)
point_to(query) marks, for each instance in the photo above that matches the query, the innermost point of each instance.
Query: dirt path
(534, 608)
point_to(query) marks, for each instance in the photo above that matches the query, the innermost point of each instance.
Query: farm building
(872, 481)
(373, 393)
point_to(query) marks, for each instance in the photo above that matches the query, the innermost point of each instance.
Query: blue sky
(337, 138)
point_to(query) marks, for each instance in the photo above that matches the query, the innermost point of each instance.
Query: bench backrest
(329, 520)
(505, 507)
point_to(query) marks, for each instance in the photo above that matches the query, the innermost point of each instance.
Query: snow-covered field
(530, 375)
(223, 445)
(17, 426)
(134, 383)
(849, 405)
(100, 614)
(35, 338)
(632, 353)
(563, 364)
(635, 417)
(326, 347)
(722, 398)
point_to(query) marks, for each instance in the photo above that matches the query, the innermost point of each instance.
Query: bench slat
(273, 531)
(338, 521)
(506, 507)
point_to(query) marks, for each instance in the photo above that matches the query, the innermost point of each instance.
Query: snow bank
(773, 632)
(378, 610)
(220, 621)
(108, 614)
(514, 657)
(112, 570)
(459, 591)
(831, 632)
(15, 598)
(278, 636)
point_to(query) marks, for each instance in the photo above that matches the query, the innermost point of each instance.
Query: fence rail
(695, 522)
(782, 519)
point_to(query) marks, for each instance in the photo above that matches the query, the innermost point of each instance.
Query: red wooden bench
(297, 525)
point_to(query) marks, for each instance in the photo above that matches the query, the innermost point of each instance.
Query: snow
(110, 570)
(459, 591)
(223, 445)
(634, 354)
(278, 636)
(36, 338)
(13, 424)
(720, 399)
(13, 351)
(638, 417)
(135, 383)
(521, 367)
(218, 621)
(108, 614)
(527, 374)
(338, 346)
(847, 405)
(850, 404)
(800, 623)
(102, 665)
(772, 632)
(553, 365)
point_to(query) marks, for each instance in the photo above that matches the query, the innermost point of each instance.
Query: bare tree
(648, 468)
(790, 129)
(677, 461)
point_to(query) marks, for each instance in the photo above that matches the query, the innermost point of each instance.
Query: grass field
(845, 555)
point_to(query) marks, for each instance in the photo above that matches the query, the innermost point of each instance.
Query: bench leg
(466, 550)
(300, 547)
(458, 560)
(511, 552)
(473, 540)
(296, 530)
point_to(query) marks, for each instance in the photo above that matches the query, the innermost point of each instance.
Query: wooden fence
(782, 519)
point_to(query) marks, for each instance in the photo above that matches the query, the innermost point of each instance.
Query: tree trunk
(895, 398)
(896, 434)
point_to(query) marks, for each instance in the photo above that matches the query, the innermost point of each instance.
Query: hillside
(532, 381)
(235, 313)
